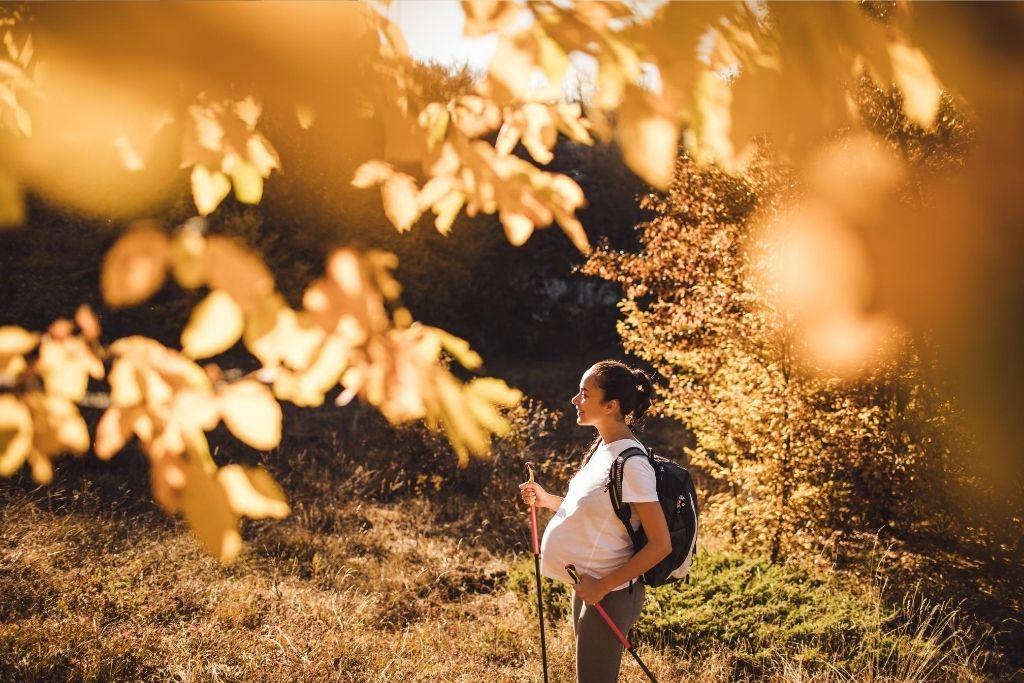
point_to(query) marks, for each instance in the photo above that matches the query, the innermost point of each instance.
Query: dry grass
(377, 601)
(379, 597)
(379, 576)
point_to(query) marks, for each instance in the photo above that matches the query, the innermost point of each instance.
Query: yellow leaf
(309, 387)
(57, 425)
(252, 414)
(914, 77)
(248, 183)
(125, 389)
(195, 410)
(141, 423)
(276, 334)
(540, 133)
(496, 391)
(26, 53)
(649, 140)
(708, 137)
(135, 267)
(459, 348)
(42, 469)
(11, 367)
(574, 229)
(486, 16)
(62, 374)
(462, 429)
(157, 389)
(306, 116)
(188, 261)
(166, 443)
(552, 59)
(214, 327)
(207, 133)
(518, 227)
(508, 137)
(248, 110)
(16, 341)
(160, 370)
(209, 514)
(167, 478)
(87, 323)
(611, 83)
(15, 434)
(400, 206)
(571, 123)
(252, 492)
(485, 414)
(239, 272)
(208, 189)
(112, 432)
(286, 385)
(434, 191)
(12, 48)
(511, 67)
(447, 209)
(372, 173)
(434, 119)
(262, 154)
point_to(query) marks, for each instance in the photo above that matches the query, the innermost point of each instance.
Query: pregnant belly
(595, 549)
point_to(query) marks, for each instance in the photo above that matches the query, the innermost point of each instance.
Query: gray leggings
(598, 651)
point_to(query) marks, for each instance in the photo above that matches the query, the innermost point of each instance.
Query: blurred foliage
(854, 265)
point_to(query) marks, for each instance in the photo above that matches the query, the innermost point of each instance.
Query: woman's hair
(630, 386)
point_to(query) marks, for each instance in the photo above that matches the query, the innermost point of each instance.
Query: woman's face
(589, 401)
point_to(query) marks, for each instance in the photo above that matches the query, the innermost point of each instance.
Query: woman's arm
(659, 545)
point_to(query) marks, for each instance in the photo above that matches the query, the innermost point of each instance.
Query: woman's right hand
(534, 493)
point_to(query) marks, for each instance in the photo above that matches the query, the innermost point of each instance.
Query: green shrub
(765, 613)
(556, 597)
(748, 604)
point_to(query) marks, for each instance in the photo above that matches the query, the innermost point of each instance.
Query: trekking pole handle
(533, 513)
(571, 569)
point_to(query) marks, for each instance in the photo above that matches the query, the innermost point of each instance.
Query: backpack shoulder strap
(621, 509)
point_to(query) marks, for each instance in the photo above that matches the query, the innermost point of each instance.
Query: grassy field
(385, 572)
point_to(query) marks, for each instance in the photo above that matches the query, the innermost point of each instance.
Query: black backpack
(678, 498)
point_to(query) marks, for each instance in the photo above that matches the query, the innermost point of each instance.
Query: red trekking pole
(571, 569)
(536, 569)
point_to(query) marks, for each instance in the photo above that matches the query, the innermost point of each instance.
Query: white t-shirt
(585, 531)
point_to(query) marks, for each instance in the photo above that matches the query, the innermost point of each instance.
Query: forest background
(848, 537)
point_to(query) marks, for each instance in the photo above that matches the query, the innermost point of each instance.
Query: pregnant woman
(585, 531)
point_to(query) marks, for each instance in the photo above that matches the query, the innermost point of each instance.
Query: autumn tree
(793, 455)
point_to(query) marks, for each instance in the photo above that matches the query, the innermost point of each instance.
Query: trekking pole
(536, 570)
(571, 569)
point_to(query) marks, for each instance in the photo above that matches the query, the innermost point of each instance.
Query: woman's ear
(612, 406)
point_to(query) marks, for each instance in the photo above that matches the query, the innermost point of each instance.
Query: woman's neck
(613, 431)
